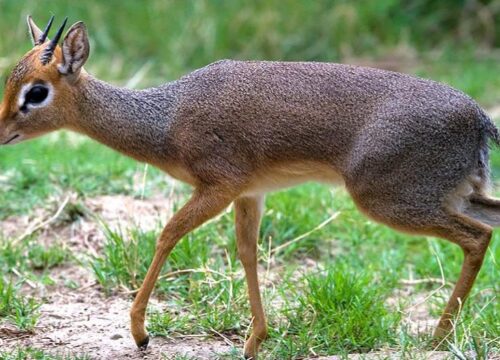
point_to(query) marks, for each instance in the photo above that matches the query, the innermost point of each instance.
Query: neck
(134, 122)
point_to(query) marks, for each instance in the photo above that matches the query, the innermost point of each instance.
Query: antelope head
(40, 93)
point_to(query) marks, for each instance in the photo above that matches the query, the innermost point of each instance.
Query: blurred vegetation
(160, 40)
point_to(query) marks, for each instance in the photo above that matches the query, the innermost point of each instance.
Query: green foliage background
(171, 37)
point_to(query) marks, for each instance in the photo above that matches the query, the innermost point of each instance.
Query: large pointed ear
(75, 50)
(38, 36)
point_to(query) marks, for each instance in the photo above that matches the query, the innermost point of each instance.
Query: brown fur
(412, 153)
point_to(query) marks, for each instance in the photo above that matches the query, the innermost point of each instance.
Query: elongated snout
(7, 135)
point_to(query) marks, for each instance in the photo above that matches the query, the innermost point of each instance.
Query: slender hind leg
(473, 237)
(471, 234)
(248, 212)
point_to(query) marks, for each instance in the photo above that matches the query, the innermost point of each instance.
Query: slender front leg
(202, 206)
(248, 212)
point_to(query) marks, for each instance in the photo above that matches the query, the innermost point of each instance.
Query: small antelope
(412, 153)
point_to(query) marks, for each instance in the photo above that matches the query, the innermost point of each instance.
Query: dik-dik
(412, 153)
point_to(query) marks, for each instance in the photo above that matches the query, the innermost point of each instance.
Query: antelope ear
(75, 50)
(37, 36)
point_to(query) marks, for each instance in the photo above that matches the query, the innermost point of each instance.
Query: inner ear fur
(75, 50)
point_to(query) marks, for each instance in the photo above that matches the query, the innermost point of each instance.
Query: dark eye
(36, 95)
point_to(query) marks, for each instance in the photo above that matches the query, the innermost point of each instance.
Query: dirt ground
(84, 321)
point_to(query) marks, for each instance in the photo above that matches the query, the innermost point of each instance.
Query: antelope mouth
(11, 139)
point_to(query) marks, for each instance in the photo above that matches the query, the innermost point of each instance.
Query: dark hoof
(248, 357)
(143, 345)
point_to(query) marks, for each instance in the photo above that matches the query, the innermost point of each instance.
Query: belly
(285, 175)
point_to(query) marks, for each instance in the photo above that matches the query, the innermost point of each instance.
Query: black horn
(49, 50)
(43, 37)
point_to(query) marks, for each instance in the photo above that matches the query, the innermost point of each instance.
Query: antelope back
(39, 93)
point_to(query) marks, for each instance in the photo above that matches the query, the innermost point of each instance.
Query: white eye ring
(27, 88)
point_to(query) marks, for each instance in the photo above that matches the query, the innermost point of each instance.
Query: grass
(320, 286)
(357, 265)
(41, 169)
(37, 354)
(198, 277)
(17, 309)
(328, 315)
(124, 261)
(25, 260)
(23, 256)
(329, 307)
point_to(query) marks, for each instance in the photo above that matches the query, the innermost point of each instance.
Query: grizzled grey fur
(391, 128)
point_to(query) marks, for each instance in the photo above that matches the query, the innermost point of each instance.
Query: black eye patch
(36, 94)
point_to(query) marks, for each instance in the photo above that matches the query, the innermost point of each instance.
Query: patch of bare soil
(416, 316)
(79, 223)
(83, 321)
